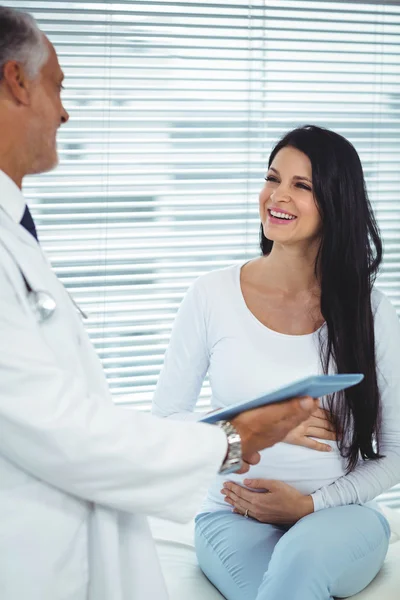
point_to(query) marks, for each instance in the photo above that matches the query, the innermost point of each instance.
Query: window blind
(174, 109)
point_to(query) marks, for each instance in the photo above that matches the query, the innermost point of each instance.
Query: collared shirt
(11, 198)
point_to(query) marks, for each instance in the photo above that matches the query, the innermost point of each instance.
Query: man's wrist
(246, 436)
(233, 458)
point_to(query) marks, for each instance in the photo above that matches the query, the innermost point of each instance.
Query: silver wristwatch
(233, 460)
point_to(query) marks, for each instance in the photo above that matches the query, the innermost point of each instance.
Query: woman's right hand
(317, 425)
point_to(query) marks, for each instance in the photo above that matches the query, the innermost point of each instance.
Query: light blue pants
(334, 552)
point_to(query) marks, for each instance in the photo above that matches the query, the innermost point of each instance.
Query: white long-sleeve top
(215, 332)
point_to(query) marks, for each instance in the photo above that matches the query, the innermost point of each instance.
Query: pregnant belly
(304, 469)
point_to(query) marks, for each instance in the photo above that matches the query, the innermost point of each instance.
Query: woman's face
(288, 210)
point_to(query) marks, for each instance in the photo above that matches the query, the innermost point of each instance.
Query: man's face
(46, 115)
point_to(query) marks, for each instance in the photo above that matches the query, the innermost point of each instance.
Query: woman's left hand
(275, 503)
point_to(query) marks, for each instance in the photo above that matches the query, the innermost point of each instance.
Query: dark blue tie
(28, 223)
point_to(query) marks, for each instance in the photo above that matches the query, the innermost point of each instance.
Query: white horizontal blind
(174, 109)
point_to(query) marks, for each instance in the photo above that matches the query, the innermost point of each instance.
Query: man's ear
(14, 77)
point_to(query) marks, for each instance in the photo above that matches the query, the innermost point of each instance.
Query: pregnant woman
(302, 525)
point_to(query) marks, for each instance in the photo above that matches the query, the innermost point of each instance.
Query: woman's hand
(263, 427)
(275, 503)
(319, 426)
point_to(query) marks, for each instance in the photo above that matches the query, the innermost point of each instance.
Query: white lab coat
(77, 474)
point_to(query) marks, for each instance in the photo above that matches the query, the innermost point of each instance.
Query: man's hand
(263, 427)
(319, 426)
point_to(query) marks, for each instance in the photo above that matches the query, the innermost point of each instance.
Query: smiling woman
(336, 224)
(307, 305)
(287, 198)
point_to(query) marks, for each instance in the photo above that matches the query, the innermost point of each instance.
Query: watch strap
(233, 459)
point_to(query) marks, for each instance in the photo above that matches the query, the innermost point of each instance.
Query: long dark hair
(348, 260)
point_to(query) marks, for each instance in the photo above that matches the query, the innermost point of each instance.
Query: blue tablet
(315, 386)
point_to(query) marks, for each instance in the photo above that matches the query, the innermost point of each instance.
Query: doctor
(77, 474)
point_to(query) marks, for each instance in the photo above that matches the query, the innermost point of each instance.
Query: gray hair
(21, 40)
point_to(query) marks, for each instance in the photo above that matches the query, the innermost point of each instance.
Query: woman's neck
(292, 269)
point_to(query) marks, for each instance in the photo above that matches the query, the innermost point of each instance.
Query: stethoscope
(43, 303)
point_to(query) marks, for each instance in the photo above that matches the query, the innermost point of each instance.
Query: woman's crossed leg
(334, 552)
